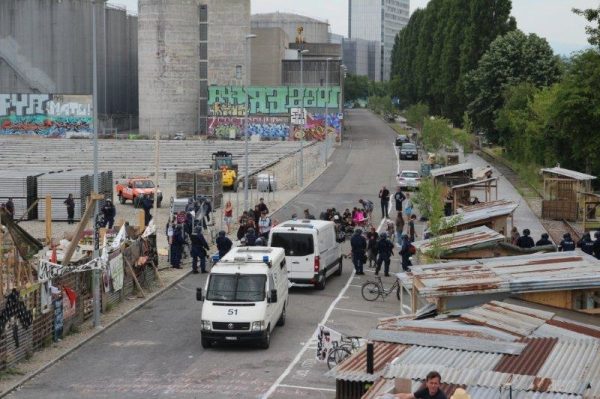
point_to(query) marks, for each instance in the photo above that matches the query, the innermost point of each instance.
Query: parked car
(408, 151)
(409, 180)
(401, 139)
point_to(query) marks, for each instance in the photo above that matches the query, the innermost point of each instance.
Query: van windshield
(236, 287)
(294, 244)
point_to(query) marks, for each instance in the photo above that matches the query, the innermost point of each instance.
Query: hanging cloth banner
(48, 270)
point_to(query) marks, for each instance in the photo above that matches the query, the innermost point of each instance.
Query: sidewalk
(42, 359)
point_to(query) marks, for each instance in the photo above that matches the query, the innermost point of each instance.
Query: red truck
(133, 188)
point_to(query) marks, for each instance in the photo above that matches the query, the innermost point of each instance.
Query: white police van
(246, 296)
(311, 249)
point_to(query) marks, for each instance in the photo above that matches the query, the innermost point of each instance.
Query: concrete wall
(267, 51)
(228, 25)
(46, 47)
(168, 32)
(314, 72)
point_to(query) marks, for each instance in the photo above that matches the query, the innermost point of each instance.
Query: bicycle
(340, 351)
(372, 290)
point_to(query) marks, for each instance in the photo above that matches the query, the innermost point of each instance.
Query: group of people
(255, 225)
(377, 249)
(587, 245)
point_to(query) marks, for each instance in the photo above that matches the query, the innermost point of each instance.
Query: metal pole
(303, 122)
(246, 149)
(96, 272)
(326, 110)
(156, 165)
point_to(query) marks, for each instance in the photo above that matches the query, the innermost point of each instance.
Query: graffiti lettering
(47, 115)
(232, 100)
(267, 128)
(314, 129)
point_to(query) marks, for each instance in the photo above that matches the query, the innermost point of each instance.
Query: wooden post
(27, 211)
(48, 219)
(89, 210)
(141, 220)
(135, 280)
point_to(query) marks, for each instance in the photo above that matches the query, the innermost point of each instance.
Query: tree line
(465, 60)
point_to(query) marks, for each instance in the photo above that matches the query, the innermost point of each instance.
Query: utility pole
(303, 121)
(246, 150)
(95, 272)
(327, 109)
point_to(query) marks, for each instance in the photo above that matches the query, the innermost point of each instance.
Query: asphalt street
(156, 352)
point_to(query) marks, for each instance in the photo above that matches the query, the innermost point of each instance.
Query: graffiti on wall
(48, 115)
(232, 100)
(316, 129)
(231, 128)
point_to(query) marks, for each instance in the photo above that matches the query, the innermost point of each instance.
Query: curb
(155, 295)
(94, 335)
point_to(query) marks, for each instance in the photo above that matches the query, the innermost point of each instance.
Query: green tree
(436, 134)
(593, 16)
(356, 87)
(510, 60)
(416, 115)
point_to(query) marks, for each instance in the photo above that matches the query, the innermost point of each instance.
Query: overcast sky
(551, 19)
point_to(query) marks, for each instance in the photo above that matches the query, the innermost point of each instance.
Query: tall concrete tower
(184, 46)
(168, 66)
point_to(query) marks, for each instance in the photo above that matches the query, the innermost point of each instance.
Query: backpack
(411, 249)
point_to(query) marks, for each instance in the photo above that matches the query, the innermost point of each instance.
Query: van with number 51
(245, 297)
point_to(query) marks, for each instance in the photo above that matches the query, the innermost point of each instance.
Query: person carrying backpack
(385, 249)
(407, 249)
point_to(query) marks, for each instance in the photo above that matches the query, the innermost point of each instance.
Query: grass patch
(10, 372)
(527, 172)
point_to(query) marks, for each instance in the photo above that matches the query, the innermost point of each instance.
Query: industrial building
(184, 47)
(314, 30)
(46, 47)
(381, 21)
(268, 49)
(362, 57)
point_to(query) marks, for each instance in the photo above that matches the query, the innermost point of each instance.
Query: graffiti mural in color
(314, 128)
(48, 115)
(231, 128)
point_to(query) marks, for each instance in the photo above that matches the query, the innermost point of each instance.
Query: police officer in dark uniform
(567, 243)
(109, 211)
(385, 250)
(358, 242)
(224, 244)
(586, 244)
(146, 206)
(177, 242)
(543, 241)
(525, 241)
(198, 250)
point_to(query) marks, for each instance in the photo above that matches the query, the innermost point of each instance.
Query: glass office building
(378, 20)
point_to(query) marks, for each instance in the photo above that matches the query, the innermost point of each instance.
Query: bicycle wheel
(370, 291)
(336, 356)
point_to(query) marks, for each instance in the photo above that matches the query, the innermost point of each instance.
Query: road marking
(308, 388)
(289, 368)
(364, 311)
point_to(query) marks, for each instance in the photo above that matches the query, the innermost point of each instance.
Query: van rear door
(299, 250)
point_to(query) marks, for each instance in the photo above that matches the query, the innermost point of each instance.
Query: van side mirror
(199, 296)
(273, 297)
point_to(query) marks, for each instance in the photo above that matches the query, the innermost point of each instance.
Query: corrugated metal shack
(537, 354)
(494, 215)
(476, 243)
(568, 280)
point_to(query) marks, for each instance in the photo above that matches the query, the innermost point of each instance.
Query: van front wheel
(205, 343)
(266, 341)
(339, 270)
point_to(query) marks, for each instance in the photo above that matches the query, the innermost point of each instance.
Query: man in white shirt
(264, 225)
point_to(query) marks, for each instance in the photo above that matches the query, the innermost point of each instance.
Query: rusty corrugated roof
(531, 360)
(462, 239)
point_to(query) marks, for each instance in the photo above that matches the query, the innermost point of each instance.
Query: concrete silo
(168, 51)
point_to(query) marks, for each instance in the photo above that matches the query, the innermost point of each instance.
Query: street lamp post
(302, 52)
(96, 272)
(247, 168)
(327, 109)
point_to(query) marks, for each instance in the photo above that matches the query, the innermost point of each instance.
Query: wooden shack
(562, 193)
(462, 194)
(453, 175)
(494, 214)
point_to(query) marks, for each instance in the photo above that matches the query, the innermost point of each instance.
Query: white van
(311, 249)
(246, 296)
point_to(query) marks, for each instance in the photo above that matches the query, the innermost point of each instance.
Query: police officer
(405, 253)
(385, 250)
(224, 244)
(250, 237)
(198, 249)
(543, 241)
(359, 246)
(177, 241)
(567, 243)
(525, 241)
(586, 244)
(596, 247)
(147, 205)
(109, 211)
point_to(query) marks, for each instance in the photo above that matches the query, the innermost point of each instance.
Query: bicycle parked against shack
(372, 290)
(342, 350)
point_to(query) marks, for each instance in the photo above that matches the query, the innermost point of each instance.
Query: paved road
(156, 352)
